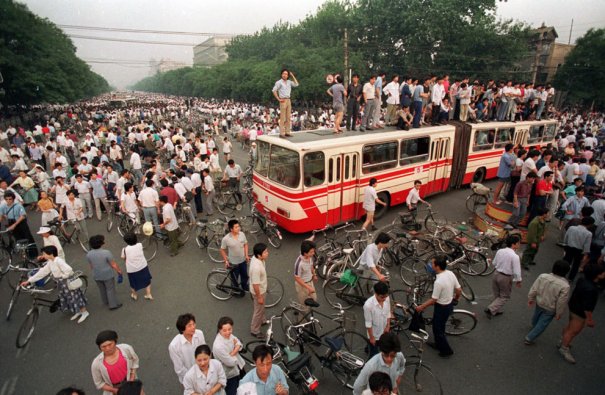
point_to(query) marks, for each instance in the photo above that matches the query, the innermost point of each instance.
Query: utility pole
(346, 48)
(570, 31)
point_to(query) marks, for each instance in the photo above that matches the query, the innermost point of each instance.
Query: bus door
(520, 137)
(439, 166)
(343, 174)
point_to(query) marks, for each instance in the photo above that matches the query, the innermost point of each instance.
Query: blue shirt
(507, 161)
(417, 92)
(98, 190)
(284, 88)
(275, 376)
(13, 211)
(378, 84)
(376, 364)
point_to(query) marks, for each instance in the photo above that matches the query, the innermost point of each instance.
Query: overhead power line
(145, 31)
(125, 40)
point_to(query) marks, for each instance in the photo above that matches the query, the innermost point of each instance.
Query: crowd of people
(163, 153)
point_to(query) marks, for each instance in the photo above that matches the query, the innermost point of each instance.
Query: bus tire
(479, 175)
(380, 209)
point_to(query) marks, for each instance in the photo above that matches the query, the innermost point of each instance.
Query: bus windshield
(284, 166)
(262, 158)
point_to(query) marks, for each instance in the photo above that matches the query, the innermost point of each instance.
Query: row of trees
(38, 61)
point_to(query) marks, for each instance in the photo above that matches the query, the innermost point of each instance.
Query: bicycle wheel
(26, 331)
(83, 242)
(150, 247)
(12, 303)
(418, 377)
(474, 264)
(275, 291)
(110, 221)
(332, 291)
(5, 261)
(467, 291)
(460, 322)
(216, 279)
(432, 221)
(214, 249)
(226, 204)
(274, 237)
(123, 225)
(356, 344)
(184, 232)
(412, 268)
(290, 316)
(201, 238)
(474, 202)
(401, 296)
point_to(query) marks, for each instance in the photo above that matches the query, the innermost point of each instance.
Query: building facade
(211, 52)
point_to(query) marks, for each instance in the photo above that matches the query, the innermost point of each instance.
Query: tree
(583, 73)
(38, 61)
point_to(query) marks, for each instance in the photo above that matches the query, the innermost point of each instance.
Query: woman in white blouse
(226, 349)
(139, 276)
(206, 377)
(69, 300)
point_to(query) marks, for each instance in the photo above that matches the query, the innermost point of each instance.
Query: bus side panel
(462, 142)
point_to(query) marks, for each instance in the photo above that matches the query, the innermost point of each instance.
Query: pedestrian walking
(304, 273)
(226, 348)
(234, 250)
(377, 315)
(508, 271)
(150, 203)
(99, 194)
(581, 305)
(51, 240)
(535, 235)
(370, 198)
(549, 293)
(182, 347)
(139, 276)
(206, 376)
(115, 365)
(258, 287)
(446, 293)
(390, 361)
(282, 91)
(103, 268)
(577, 245)
(209, 192)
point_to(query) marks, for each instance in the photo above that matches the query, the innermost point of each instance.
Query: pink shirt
(118, 372)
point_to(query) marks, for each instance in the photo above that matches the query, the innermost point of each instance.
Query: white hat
(43, 230)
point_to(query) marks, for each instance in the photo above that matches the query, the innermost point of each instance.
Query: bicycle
(258, 223)
(479, 198)
(27, 328)
(344, 365)
(127, 223)
(210, 241)
(184, 218)
(329, 251)
(221, 286)
(68, 232)
(228, 203)
(113, 206)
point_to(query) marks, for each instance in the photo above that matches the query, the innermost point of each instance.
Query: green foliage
(459, 37)
(38, 61)
(583, 73)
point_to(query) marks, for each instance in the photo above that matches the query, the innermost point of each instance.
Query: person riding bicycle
(414, 197)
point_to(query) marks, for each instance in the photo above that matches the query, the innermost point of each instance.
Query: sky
(124, 63)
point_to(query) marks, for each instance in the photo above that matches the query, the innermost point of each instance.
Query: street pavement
(490, 360)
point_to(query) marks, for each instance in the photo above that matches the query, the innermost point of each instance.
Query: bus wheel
(479, 175)
(380, 209)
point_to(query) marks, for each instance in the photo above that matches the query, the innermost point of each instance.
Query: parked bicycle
(479, 198)
(258, 223)
(68, 232)
(221, 284)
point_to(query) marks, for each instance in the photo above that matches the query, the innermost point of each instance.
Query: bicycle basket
(351, 361)
(348, 278)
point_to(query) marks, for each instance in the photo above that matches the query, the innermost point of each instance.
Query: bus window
(284, 167)
(535, 133)
(551, 130)
(354, 171)
(314, 168)
(378, 157)
(484, 140)
(330, 171)
(262, 163)
(414, 151)
(347, 161)
(503, 137)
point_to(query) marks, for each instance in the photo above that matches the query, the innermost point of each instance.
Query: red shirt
(170, 192)
(117, 372)
(543, 185)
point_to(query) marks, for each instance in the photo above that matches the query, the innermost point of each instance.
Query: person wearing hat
(51, 240)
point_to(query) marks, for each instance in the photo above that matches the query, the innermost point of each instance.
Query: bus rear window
(262, 158)
(484, 140)
(314, 168)
(503, 137)
(284, 167)
(414, 151)
(535, 134)
(378, 157)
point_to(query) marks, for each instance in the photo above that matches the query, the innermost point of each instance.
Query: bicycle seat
(335, 343)
(347, 250)
(508, 227)
(298, 363)
(311, 303)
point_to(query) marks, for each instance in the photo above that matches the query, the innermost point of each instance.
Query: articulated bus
(317, 177)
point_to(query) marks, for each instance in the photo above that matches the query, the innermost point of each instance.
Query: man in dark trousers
(354, 95)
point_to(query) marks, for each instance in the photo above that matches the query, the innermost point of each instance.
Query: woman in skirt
(139, 276)
(69, 300)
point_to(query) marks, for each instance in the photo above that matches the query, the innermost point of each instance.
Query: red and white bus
(316, 177)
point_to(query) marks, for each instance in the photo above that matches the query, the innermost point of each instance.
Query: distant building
(548, 54)
(165, 65)
(211, 52)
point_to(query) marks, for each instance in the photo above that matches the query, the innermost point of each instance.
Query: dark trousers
(440, 316)
(232, 384)
(352, 113)
(417, 113)
(241, 271)
(22, 232)
(373, 349)
(173, 241)
(198, 199)
(528, 256)
(435, 113)
(574, 257)
(514, 180)
(537, 203)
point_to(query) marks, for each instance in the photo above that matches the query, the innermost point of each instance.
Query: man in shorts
(338, 93)
(370, 198)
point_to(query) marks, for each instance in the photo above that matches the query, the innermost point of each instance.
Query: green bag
(349, 278)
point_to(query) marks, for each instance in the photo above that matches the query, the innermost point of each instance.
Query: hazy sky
(123, 63)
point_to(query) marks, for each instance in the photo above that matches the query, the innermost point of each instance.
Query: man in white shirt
(436, 98)
(171, 226)
(414, 197)
(370, 198)
(233, 173)
(150, 202)
(377, 315)
(258, 287)
(369, 96)
(209, 192)
(446, 293)
(135, 166)
(392, 91)
(529, 165)
(83, 187)
(182, 347)
(508, 271)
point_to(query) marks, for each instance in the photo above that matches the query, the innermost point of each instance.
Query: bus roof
(325, 138)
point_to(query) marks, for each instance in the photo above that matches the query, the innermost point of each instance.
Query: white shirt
(369, 198)
(438, 94)
(182, 352)
(507, 262)
(130, 202)
(82, 187)
(195, 382)
(392, 91)
(413, 197)
(168, 213)
(135, 161)
(208, 183)
(74, 209)
(148, 197)
(376, 316)
(370, 256)
(214, 162)
(221, 350)
(135, 258)
(444, 286)
(196, 180)
(528, 166)
(57, 267)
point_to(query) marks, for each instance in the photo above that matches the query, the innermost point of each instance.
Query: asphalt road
(492, 359)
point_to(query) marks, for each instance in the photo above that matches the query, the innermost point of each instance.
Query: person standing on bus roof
(507, 164)
(370, 198)
(282, 90)
(369, 97)
(338, 93)
(354, 95)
